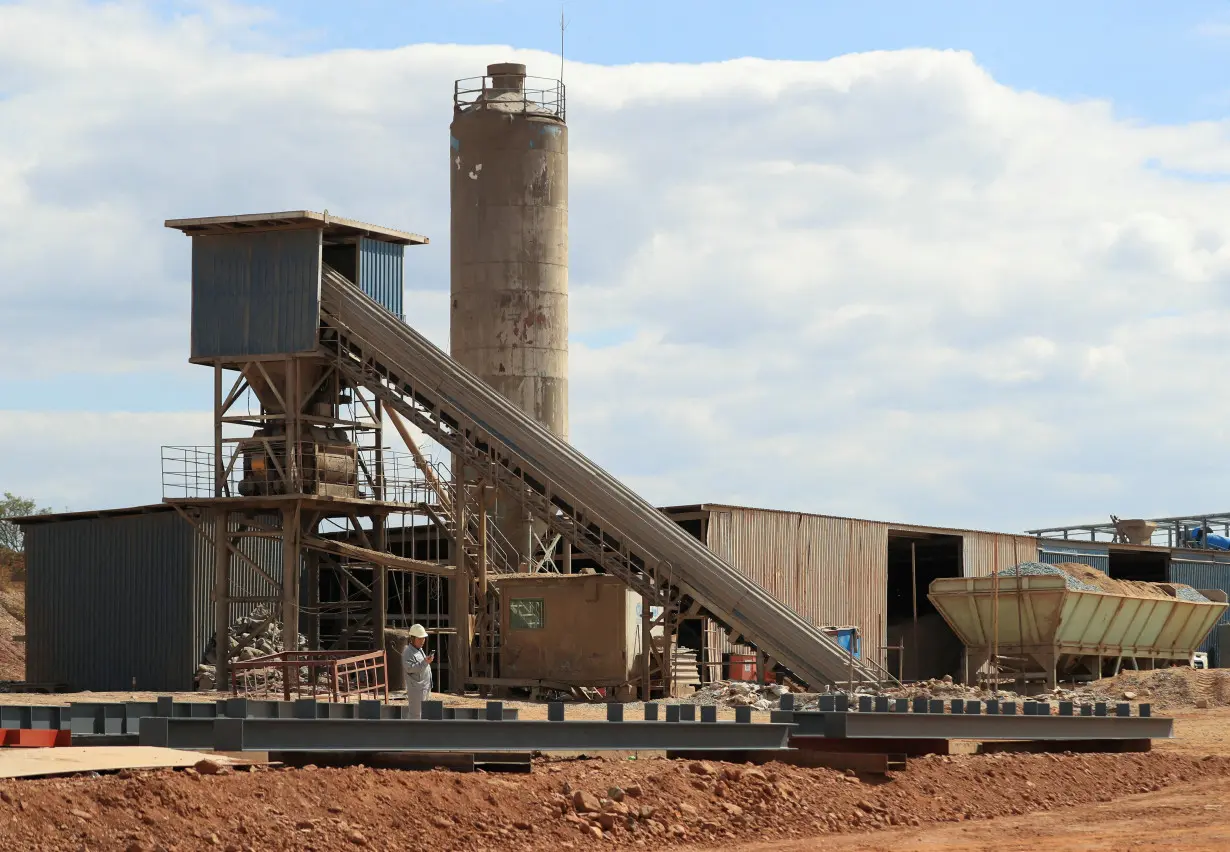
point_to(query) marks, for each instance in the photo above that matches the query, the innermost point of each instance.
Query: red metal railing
(338, 674)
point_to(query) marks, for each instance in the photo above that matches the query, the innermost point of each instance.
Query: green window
(525, 614)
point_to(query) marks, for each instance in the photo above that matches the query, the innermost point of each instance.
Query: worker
(416, 662)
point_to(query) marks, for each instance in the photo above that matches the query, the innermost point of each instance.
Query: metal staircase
(589, 508)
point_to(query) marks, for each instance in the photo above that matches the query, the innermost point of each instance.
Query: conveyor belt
(590, 508)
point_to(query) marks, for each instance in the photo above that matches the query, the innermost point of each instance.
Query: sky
(955, 263)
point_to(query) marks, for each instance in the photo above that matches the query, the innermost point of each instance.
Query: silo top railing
(541, 95)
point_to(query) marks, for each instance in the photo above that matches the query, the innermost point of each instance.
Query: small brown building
(582, 629)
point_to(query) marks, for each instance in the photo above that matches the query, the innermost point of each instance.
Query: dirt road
(1191, 817)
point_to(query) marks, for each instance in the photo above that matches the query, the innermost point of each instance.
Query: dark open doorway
(1148, 566)
(931, 649)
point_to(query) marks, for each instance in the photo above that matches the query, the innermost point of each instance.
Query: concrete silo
(509, 246)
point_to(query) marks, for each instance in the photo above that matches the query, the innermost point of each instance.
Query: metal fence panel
(1057, 555)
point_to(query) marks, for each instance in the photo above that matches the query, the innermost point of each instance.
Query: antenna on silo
(562, 26)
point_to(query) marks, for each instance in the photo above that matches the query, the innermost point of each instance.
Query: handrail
(348, 673)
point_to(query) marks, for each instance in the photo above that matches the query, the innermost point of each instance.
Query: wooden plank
(29, 763)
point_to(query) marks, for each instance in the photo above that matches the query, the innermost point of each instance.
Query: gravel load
(1084, 578)
(1187, 593)
(1040, 569)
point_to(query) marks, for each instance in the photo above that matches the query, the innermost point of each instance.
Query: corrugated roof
(710, 507)
(57, 517)
(898, 525)
(332, 226)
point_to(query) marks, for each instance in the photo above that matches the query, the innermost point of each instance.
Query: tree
(13, 506)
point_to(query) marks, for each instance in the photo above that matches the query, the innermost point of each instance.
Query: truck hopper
(1071, 623)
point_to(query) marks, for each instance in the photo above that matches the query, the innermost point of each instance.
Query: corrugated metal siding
(986, 553)
(1057, 555)
(381, 272)
(245, 580)
(831, 571)
(1204, 574)
(108, 602)
(255, 294)
(117, 598)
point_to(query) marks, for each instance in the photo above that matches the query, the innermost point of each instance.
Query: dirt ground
(1191, 817)
(564, 804)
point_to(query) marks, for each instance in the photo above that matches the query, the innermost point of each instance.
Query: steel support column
(222, 600)
(460, 642)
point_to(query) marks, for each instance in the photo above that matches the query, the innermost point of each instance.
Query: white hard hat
(418, 631)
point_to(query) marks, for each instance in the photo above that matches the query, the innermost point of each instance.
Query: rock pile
(737, 693)
(253, 635)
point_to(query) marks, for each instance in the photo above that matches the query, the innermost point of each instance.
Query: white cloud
(75, 460)
(883, 285)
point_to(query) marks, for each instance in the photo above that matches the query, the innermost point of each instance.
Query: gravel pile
(1187, 593)
(1039, 569)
